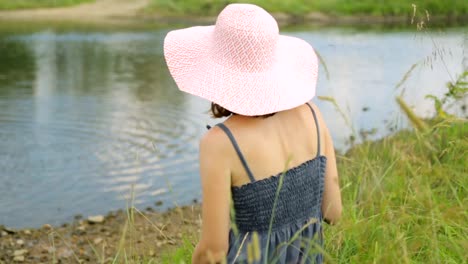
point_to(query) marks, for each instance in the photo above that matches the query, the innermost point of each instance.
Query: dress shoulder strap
(236, 147)
(318, 128)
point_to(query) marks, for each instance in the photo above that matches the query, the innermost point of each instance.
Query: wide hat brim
(289, 82)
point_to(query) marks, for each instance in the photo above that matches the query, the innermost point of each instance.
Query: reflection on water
(86, 116)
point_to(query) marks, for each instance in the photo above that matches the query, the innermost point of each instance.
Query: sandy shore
(100, 239)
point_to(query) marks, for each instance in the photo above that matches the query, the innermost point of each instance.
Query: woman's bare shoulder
(214, 140)
(320, 117)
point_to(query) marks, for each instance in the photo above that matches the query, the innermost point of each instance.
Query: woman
(273, 158)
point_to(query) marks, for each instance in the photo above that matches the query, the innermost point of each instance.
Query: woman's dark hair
(218, 111)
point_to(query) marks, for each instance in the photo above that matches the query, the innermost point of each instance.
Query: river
(87, 114)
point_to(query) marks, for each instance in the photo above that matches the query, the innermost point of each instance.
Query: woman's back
(282, 207)
(271, 145)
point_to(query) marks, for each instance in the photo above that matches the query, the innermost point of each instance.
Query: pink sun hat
(242, 63)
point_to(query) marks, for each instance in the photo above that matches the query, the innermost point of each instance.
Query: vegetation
(181, 255)
(22, 4)
(336, 7)
(405, 199)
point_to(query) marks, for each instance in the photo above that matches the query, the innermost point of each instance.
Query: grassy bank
(24, 4)
(332, 7)
(405, 199)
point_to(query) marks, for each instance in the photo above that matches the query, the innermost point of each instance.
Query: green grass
(24, 4)
(181, 255)
(336, 7)
(405, 199)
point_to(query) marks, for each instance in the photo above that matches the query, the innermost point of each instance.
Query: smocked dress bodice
(295, 235)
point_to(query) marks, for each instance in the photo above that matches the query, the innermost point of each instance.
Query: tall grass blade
(415, 120)
(324, 64)
(406, 76)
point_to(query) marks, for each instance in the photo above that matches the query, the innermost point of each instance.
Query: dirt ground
(100, 10)
(137, 235)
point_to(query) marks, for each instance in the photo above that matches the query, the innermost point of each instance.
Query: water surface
(84, 116)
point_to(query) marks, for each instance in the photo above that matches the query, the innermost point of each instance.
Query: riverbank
(407, 192)
(337, 12)
(332, 13)
(302, 7)
(119, 237)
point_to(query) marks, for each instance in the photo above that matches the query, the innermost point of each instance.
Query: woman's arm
(331, 204)
(216, 187)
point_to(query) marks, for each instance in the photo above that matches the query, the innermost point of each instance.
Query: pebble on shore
(97, 219)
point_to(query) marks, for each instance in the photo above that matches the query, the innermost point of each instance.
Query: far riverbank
(118, 12)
